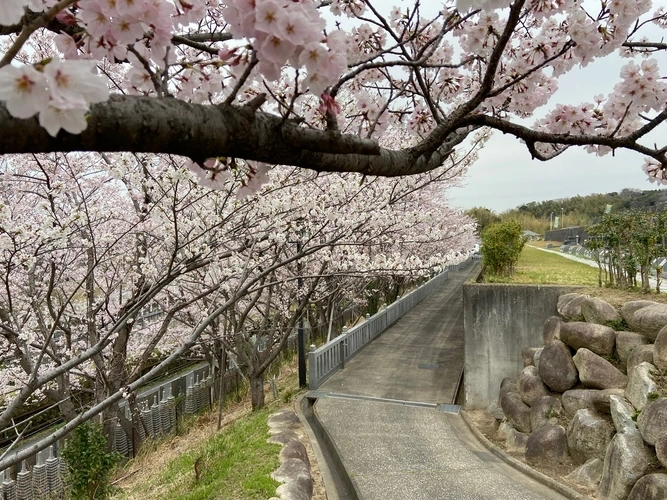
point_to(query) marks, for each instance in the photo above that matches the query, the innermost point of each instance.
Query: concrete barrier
(499, 321)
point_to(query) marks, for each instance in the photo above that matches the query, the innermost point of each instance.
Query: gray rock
(627, 459)
(516, 441)
(621, 414)
(569, 306)
(596, 372)
(284, 418)
(587, 475)
(507, 385)
(660, 350)
(601, 399)
(652, 421)
(661, 448)
(640, 354)
(528, 355)
(531, 386)
(649, 320)
(630, 308)
(588, 436)
(537, 356)
(626, 342)
(650, 487)
(640, 385)
(283, 437)
(551, 328)
(547, 446)
(294, 449)
(597, 338)
(516, 411)
(290, 469)
(577, 399)
(599, 311)
(495, 411)
(300, 488)
(557, 369)
(545, 411)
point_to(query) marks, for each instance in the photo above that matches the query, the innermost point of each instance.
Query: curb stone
(520, 466)
(293, 472)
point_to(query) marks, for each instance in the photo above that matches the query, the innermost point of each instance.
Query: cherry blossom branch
(646, 45)
(531, 137)
(568, 45)
(182, 40)
(242, 80)
(41, 22)
(452, 122)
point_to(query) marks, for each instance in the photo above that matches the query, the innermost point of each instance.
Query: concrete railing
(329, 358)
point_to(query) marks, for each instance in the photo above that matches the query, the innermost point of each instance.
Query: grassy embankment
(537, 267)
(198, 463)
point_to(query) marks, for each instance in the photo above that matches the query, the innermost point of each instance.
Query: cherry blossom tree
(366, 232)
(265, 80)
(88, 241)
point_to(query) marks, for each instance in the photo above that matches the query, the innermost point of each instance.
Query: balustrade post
(313, 378)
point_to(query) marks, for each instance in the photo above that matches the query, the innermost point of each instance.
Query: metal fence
(161, 404)
(585, 253)
(163, 401)
(327, 359)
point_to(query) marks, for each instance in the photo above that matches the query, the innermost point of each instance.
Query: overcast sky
(505, 177)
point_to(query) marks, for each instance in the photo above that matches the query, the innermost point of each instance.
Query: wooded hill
(577, 210)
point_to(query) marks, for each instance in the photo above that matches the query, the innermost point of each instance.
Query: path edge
(520, 466)
(321, 439)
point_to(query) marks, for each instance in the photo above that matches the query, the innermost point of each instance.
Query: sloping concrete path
(385, 414)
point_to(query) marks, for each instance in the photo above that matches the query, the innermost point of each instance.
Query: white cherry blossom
(24, 90)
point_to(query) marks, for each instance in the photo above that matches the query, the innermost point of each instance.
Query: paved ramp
(384, 413)
(418, 359)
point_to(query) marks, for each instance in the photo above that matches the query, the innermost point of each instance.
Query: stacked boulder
(595, 398)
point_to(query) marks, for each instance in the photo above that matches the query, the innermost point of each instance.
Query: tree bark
(171, 126)
(257, 390)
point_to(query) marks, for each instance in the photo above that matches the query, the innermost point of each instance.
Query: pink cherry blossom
(68, 115)
(267, 15)
(75, 82)
(24, 90)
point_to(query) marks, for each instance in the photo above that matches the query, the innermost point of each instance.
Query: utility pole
(300, 334)
(562, 217)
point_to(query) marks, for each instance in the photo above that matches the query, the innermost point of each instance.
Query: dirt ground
(488, 426)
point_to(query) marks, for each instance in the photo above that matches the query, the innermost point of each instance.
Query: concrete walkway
(384, 413)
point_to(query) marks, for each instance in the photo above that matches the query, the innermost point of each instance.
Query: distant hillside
(594, 205)
(576, 211)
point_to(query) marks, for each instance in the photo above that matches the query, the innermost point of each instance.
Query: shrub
(89, 465)
(501, 246)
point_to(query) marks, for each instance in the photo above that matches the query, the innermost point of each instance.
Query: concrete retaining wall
(500, 321)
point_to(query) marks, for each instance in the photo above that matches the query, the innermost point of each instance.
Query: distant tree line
(576, 211)
(625, 245)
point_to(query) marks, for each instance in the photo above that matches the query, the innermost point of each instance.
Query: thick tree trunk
(257, 391)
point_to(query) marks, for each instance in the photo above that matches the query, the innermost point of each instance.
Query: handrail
(329, 358)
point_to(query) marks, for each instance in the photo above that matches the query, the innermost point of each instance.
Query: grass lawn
(538, 267)
(200, 463)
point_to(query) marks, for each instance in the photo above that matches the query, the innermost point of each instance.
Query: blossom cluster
(284, 31)
(59, 91)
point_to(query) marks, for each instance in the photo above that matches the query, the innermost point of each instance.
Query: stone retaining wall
(499, 321)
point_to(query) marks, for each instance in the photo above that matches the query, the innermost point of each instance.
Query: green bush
(89, 465)
(501, 246)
